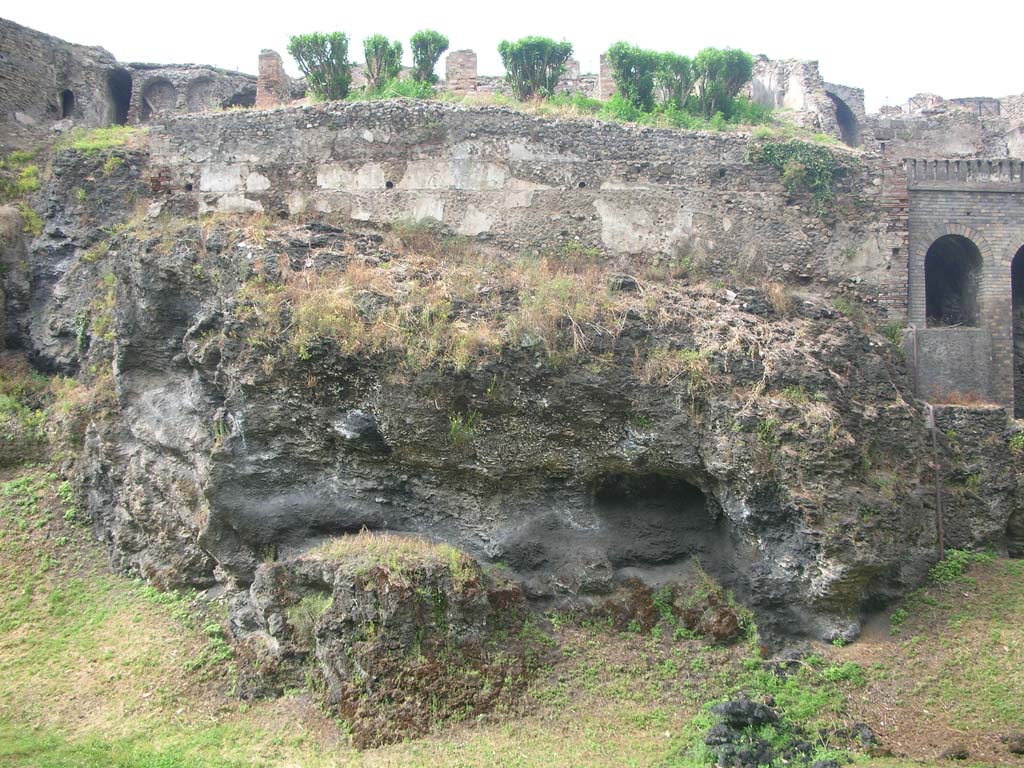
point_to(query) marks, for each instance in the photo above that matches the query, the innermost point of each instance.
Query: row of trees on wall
(705, 86)
(323, 59)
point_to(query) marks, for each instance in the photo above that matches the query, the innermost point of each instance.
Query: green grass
(99, 139)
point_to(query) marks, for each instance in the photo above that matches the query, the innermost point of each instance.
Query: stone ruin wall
(522, 182)
(159, 90)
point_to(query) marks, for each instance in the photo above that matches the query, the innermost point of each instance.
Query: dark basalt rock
(743, 713)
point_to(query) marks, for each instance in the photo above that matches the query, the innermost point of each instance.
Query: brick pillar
(605, 83)
(572, 70)
(272, 85)
(460, 71)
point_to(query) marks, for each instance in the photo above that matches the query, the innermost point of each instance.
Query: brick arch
(1016, 241)
(934, 232)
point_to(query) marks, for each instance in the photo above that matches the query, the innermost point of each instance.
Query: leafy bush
(804, 166)
(427, 47)
(720, 74)
(675, 78)
(383, 61)
(634, 70)
(534, 65)
(323, 59)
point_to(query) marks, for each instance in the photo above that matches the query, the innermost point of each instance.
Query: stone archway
(1017, 304)
(849, 128)
(952, 274)
(158, 97)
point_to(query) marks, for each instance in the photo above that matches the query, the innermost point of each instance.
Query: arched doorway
(67, 104)
(158, 97)
(1017, 292)
(952, 272)
(849, 128)
(119, 84)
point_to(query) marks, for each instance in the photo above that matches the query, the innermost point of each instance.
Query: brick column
(460, 71)
(272, 86)
(605, 83)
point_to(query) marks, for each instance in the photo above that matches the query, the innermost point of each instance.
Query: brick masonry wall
(990, 213)
(526, 182)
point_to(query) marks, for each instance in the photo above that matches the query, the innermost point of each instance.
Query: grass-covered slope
(97, 669)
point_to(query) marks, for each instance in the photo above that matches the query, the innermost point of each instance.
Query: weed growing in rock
(804, 167)
(954, 565)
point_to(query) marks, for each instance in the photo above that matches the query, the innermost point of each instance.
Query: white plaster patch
(365, 178)
(427, 174)
(622, 185)
(256, 182)
(427, 207)
(360, 212)
(296, 203)
(519, 199)
(238, 204)
(458, 173)
(475, 222)
(726, 223)
(222, 177)
(624, 228)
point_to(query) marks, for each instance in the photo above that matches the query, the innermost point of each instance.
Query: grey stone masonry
(983, 201)
(520, 181)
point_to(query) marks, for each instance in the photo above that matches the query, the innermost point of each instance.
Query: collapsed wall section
(523, 182)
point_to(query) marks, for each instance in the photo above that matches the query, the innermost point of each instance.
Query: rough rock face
(279, 383)
(400, 632)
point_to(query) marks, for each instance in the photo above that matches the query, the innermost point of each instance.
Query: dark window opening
(952, 272)
(67, 104)
(244, 98)
(389, 185)
(849, 129)
(1017, 292)
(119, 82)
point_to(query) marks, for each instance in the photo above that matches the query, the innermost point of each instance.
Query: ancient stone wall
(982, 201)
(461, 77)
(44, 79)
(158, 91)
(525, 182)
(795, 86)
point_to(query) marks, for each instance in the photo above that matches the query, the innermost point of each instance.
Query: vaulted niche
(67, 104)
(1017, 283)
(158, 97)
(119, 85)
(952, 272)
(849, 128)
(652, 519)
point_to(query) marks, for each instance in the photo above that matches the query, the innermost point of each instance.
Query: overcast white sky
(891, 49)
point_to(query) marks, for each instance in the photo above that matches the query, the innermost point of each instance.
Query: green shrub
(674, 78)
(809, 167)
(383, 61)
(634, 71)
(955, 564)
(323, 59)
(534, 65)
(427, 47)
(720, 74)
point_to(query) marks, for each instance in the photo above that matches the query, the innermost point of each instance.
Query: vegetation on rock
(323, 59)
(383, 61)
(427, 47)
(534, 65)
